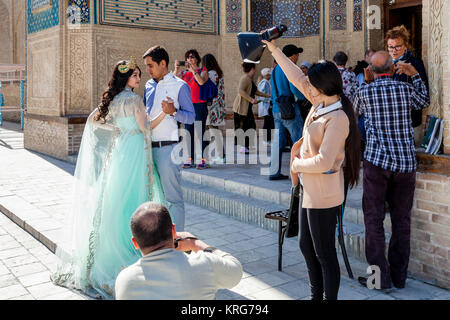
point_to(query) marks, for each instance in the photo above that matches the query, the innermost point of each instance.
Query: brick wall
(75, 132)
(430, 230)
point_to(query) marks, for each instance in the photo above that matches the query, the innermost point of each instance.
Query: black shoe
(363, 281)
(398, 285)
(279, 177)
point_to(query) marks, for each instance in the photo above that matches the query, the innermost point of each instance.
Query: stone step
(255, 190)
(248, 188)
(236, 206)
(252, 211)
(356, 216)
(354, 240)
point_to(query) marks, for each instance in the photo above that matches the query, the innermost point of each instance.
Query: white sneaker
(218, 160)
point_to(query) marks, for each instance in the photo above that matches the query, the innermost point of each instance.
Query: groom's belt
(159, 144)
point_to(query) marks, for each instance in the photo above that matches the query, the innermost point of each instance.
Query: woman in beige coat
(242, 107)
(330, 137)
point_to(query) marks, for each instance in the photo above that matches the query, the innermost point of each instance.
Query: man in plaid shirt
(389, 163)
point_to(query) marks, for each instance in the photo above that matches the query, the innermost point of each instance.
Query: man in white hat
(265, 103)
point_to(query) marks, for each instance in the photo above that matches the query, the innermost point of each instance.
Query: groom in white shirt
(167, 93)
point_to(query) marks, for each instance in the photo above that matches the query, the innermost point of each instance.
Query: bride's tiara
(124, 68)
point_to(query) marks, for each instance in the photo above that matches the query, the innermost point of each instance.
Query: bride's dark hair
(116, 84)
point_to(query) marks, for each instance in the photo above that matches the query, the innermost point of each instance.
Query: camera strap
(175, 242)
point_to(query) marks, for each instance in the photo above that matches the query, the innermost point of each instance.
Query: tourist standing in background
(216, 108)
(397, 42)
(195, 77)
(245, 99)
(389, 164)
(264, 106)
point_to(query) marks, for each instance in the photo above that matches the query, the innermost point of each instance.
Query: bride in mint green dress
(113, 176)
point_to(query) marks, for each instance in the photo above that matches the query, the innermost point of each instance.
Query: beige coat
(168, 274)
(243, 97)
(323, 147)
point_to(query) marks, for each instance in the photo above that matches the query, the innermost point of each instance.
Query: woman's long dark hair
(116, 84)
(326, 78)
(210, 63)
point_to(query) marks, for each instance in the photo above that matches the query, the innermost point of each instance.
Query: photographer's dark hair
(340, 58)
(210, 63)
(158, 54)
(194, 53)
(326, 78)
(247, 66)
(116, 84)
(151, 224)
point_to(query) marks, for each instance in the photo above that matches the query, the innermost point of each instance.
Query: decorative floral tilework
(309, 12)
(301, 17)
(284, 12)
(84, 7)
(234, 16)
(262, 15)
(196, 16)
(357, 15)
(338, 14)
(42, 19)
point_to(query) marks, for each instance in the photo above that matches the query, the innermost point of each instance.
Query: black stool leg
(342, 243)
(281, 233)
(280, 244)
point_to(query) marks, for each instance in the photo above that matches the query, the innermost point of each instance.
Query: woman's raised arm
(294, 74)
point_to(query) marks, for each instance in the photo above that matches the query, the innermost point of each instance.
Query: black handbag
(285, 103)
(294, 211)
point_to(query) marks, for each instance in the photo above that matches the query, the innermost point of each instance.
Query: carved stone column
(437, 60)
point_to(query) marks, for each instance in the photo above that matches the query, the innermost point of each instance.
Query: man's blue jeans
(170, 176)
(295, 128)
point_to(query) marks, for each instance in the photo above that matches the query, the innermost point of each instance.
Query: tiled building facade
(68, 68)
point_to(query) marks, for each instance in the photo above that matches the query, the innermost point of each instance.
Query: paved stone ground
(36, 190)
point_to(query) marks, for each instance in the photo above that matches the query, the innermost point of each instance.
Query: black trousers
(379, 186)
(245, 123)
(201, 113)
(269, 125)
(317, 243)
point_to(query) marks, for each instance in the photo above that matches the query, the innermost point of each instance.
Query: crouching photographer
(165, 271)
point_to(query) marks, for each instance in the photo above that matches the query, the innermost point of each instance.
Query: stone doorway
(408, 13)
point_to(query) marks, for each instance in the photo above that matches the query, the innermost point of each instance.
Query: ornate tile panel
(286, 12)
(262, 15)
(196, 16)
(301, 17)
(83, 5)
(42, 14)
(338, 14)
(234, 16)
(357, 15)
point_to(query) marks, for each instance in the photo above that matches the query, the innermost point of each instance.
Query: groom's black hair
(158, 54)
(151, 225)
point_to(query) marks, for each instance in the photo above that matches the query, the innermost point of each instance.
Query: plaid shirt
(386, 105)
